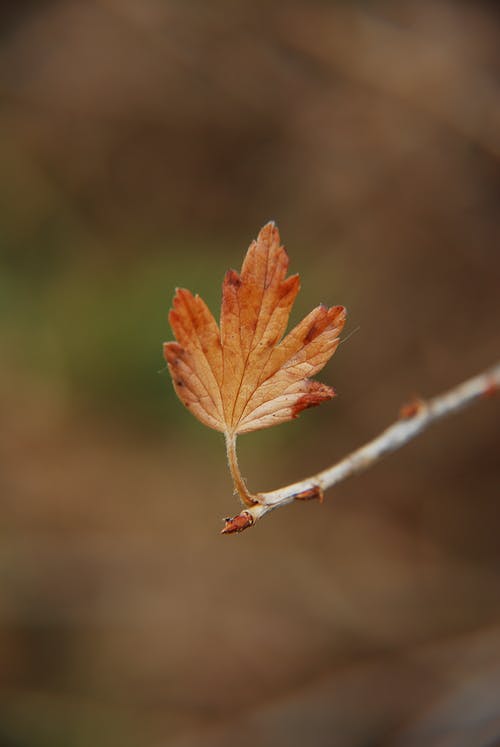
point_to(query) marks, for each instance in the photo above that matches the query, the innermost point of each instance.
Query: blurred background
(142, 146)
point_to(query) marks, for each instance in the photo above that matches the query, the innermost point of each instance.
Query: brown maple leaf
(246, 375)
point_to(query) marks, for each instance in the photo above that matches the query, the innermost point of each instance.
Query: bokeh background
(142, 146)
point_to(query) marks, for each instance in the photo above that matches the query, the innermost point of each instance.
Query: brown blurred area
(142, 146)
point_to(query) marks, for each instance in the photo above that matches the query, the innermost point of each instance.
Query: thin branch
(414, 418)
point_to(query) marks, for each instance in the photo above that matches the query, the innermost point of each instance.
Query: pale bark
(414, 419)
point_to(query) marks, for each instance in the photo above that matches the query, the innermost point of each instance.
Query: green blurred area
(97, 328)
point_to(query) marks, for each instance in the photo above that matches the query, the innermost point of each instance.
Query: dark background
(142, 146)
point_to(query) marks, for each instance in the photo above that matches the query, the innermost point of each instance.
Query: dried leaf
(244, 376)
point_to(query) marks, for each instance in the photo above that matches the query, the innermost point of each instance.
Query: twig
(415, 417)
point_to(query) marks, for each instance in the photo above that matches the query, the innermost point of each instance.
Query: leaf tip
(315, 395)
(269, 233)
(232, 278)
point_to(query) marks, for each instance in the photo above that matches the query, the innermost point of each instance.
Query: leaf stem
(239, 482)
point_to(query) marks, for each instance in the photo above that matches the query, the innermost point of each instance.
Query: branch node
(310, 493)
(415, 406)
(237, 523)
(492, 388)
